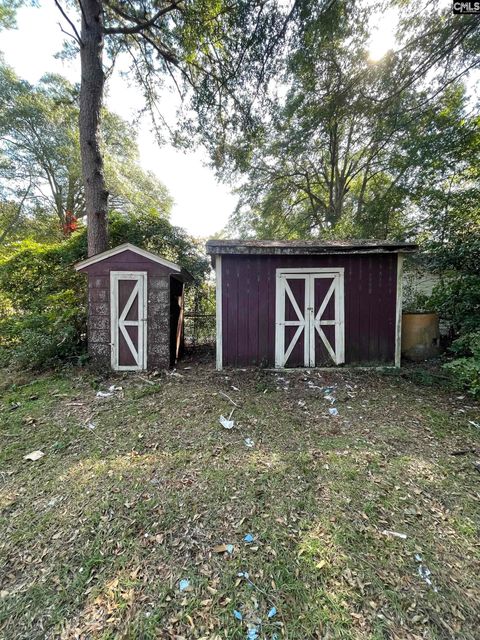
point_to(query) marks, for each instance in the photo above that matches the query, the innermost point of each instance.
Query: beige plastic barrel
(420, 336)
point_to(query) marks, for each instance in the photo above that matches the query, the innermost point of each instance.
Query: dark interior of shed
(176, 320)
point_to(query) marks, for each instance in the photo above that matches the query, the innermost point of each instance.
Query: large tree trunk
(91, 94)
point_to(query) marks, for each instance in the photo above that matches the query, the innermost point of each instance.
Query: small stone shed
(135, 309)
(308, 303)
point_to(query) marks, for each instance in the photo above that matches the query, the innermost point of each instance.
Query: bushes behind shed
(43, 299)
(457, 299)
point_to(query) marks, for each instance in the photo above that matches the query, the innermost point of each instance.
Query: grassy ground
(97, 535)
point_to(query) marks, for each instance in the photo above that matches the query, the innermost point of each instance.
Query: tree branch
(64, 14)
(139, 26)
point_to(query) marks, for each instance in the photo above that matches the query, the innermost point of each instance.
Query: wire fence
(199, 329)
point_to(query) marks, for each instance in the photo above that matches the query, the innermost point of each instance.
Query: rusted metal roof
(307, 247)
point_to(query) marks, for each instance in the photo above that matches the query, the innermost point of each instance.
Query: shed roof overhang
(306, 247)
(178, 272)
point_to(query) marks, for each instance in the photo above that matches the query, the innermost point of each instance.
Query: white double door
(309, 317)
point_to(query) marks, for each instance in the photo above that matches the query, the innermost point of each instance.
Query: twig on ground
(228, 398)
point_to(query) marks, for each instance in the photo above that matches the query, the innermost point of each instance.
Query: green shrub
(43, 299)
(457, 300)
(466, 368)
(43, 319)
(39, 339)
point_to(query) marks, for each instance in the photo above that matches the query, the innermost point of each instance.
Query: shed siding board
(158, 307)
(248, 305)
(263, 312)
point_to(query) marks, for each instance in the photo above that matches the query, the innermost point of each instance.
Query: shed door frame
(118, 323)
(308, 321)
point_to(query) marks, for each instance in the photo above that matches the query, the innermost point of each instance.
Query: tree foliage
(216, 54)
(40, 166)
(354, 145)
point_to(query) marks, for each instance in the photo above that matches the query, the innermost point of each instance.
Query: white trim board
(126, 247)
(218, 313)
(117, 322)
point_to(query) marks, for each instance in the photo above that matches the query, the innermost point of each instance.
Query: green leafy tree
(40, 165)
(351, 140)
(217, 54)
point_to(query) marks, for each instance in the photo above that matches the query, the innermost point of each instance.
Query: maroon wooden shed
(308, 303)
(135, 308)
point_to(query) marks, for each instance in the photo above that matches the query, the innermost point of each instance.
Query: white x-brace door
(307, 302)
(128, 318)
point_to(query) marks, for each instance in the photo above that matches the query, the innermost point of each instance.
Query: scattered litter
(394, 534)
(253, 629)
(235, 388)
(13, 406)
(237, 614)
(474, 424)
(252, 633)
(111, 390)
(223, 548)
(248, 538)
(184, 585)
(91, 426)
(424, 572)
(226, 424)
(34, 456)
(333, 411)
(302, 403)
(249, 442)
(282, 381)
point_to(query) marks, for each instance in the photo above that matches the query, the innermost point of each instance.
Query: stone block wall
(99, 347)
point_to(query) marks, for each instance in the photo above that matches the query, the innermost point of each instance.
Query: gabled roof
(307, 247)
(127, 247)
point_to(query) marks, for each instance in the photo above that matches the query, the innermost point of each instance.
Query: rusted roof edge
(216, 247)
